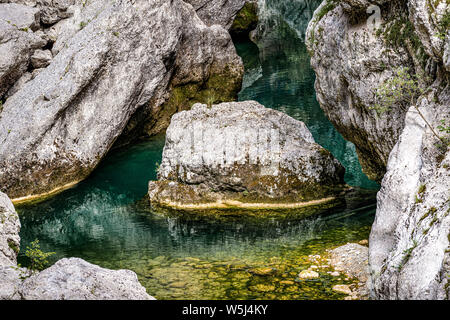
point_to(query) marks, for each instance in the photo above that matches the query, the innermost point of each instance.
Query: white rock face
(10, 283)
(221, 12)
(409, 241)
(122, 63)
(350, 62)
(426, 18)
(9, 232)
(243, 146)
(76, 279)
(16, 47)
(20, 16)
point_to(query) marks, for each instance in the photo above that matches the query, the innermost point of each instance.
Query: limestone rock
(10, 282)
(76, 279)
(16, 47)
(351, 259)
(41, 58)
(428, 19)
(130, 66)
(20, 16)
(350, 62)
(239, 150)
(342, 288)
(221, 12)
(9, 232)
(409, 243)
(54, 10)
(27, 76)
(245, 21)
(308, 274)
(446, 58)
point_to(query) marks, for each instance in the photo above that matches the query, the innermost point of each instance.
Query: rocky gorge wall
(405, 147)
(77, 78)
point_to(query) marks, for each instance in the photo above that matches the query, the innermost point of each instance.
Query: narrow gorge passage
(103, 221)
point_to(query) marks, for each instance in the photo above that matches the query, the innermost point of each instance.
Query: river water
(103, 219)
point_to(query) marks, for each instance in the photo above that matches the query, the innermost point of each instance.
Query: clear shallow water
(103, 221)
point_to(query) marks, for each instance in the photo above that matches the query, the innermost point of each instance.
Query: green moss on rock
(246, 20)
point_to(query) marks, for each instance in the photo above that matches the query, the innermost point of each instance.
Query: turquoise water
(105, 221)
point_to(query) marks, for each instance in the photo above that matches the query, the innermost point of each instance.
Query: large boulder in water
(242, 154)
(123, 72)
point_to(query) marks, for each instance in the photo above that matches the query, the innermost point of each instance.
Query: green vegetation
(422, 189)
(82, 25)
(444, 128)
(407, 255)
(330, 5)
(444, 26)
(246, 20)
(324, 10)
(38, 258)
(400, 32)
(431, 211)
(12, 245)
(418, 199)
(403, 89)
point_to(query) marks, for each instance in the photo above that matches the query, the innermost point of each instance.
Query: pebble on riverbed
(308, 274)
(343, 288)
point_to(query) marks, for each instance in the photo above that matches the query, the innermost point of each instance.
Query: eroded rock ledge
(245, 156)
(67, 279)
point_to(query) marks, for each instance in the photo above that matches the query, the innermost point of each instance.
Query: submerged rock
(351, 259)
(76, 279)
(122, 73)
(243, 155)
(308, 274)
(343, 288)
